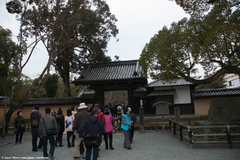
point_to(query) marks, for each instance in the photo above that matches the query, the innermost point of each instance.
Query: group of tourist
(79, 125)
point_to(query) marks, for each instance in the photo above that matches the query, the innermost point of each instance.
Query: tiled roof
(119, 70)
(176, 82)
(65, 100)
(86, 95)
(217, 92)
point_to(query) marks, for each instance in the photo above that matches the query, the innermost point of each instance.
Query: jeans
(52, 145)
(95, 153)
(35, 136)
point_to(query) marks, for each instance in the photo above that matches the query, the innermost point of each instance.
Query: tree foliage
(82, 29)
(27, 44)
(210, 41)
(51, 85)
(201, 6)
(219, 83)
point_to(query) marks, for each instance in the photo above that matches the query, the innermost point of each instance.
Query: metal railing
(189, 132)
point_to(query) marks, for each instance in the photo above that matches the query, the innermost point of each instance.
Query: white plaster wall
(234, 78)
(183, 95)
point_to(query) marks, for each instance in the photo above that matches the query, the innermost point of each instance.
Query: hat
(129, 109)
(82, 105)
(106, 110)
(96, 106)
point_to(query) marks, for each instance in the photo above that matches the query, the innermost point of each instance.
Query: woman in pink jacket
(108, 128)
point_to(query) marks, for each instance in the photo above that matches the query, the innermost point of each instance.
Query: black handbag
(22, 127)
(50, 132)
(92, 140)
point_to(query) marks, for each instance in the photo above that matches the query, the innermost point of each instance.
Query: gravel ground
(149, 145)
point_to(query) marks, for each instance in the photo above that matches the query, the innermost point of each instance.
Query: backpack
(119, 109)
(35, 119)
(102, 119)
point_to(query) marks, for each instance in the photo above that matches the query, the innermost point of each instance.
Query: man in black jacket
(35, 119)
(61, 127)
(134, 119)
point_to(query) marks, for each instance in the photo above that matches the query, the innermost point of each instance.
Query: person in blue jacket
(126, 126)
(92, 126)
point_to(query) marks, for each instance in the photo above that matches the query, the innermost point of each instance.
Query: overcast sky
(138, 21)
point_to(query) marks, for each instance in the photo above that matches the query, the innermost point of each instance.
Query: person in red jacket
(100, 114)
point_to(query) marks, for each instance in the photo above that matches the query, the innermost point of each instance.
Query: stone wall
(216, 131)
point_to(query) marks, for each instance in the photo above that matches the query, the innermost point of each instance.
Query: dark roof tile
(175, 82)
(65, 100)
(217, 92)
(120, 70)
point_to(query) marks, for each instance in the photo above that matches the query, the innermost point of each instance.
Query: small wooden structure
(162, 108)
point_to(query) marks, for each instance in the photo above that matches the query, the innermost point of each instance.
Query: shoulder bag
(49, 132)
(92, 140)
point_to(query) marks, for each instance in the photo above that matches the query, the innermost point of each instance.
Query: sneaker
(16, 143)
(51, 156)
(60, 145)
(20, 142)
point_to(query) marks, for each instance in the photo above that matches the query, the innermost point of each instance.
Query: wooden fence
(190, 132)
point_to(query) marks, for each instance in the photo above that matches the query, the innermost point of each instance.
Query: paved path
(150, 145)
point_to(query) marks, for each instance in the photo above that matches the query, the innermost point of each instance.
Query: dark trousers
(17, 135)
(95, 153)
(126, 143)
(60, 137)
(131, 133)
(35, 136)
(52, 145)
(106, 139)
(81, 148)
(69, 134)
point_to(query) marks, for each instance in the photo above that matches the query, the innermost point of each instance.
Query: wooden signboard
(162, 108)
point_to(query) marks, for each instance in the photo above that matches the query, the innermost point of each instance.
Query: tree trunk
(63, 67)
(8, 118)
(66, 89)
